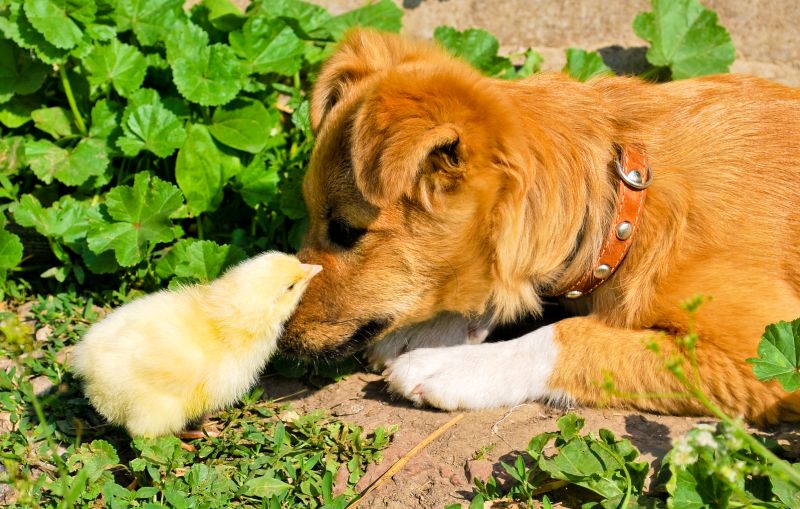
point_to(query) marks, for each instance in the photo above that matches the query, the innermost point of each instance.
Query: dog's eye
(343, 234)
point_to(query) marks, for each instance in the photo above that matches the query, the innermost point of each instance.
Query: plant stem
(71, 99)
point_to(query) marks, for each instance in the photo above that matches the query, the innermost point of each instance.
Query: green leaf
(141, 218)
(106, 117)
(116, 63)
(57, 20)
(10, 251)
(685, 37)
(17, 112)
(12, 155)
(224, 15)
(211, 77)
(383, 15)
(67, 219)
(583, 65)
(96, 458)
(265, 486)
(151, 20)
(779, 355)
(184, 39)
(148, 125)
(18, 28)
(258, 183)
(72, 167)
(268, 45)
(199, 260)
(570, 425)
(476, 46)
(57, 122)
(532, 64)
(19, 73)
(202, 169)
(244, 124)
(309, 21)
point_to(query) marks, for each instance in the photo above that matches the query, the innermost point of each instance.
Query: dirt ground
(442, 473)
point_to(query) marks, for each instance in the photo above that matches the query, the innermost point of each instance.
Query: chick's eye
(291, 286)
(343, 234)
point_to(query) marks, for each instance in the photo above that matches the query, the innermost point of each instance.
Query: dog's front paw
(471, 377)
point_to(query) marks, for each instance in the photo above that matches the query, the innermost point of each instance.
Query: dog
(440, 197)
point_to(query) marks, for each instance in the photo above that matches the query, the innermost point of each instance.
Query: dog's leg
(446, 329)
(568, 361)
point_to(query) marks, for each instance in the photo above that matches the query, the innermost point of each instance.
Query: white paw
(477, 376)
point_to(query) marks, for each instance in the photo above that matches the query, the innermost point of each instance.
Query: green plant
(153, 142)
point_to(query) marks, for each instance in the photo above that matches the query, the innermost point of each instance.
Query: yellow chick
(168, 358)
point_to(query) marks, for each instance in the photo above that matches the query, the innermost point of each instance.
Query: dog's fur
(435, 189)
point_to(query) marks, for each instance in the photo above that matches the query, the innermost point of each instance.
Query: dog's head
(414, 192)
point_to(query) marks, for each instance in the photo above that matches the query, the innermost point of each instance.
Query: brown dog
(435, 189)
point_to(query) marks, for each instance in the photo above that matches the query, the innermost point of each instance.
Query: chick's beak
(311, 270)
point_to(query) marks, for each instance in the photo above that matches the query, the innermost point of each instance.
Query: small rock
(44, 333)
(478, 469)
(5, 423)
(343, 409)
(63, 356)
(41, 384)
(288, 416)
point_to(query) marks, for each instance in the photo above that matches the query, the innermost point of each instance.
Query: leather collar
(635, 176)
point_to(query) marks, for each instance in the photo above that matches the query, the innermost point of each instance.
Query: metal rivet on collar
(573, 294)
(602, 271)
(635, 177)
(624, 230)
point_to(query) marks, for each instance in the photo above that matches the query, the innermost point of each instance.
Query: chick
(168, 358)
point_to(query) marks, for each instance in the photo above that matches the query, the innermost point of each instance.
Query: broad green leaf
(184, 40)
(532, 64)
(141, 218)
(583, 65)
(17, 112)
(779, 355)
(200, 260)
(382, 15)
(265, 486)
(116, 63)
(224, 15)
(268, 45)
(244, 124)
(570, 425)
(57, 20)
(72, 167)
(67, 219)
(18, 28)
(211, 77)
(10, 251)
(258, 183)
(787, 492)
(12, 155)
(57, 122)
(476, 46)
(106, 116)
(202, 169)
(151, 20)
(685, 37)
(19, 73)
(308, 20)
(148, 125)
(96, 458)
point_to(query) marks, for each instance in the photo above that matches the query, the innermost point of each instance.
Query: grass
(57, 452)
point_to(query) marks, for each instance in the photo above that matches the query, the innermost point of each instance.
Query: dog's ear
(362, 53)
(388, 165)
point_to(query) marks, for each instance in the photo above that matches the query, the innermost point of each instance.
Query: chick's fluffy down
(165, 359)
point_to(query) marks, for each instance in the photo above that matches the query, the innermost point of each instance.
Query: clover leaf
(140, 215)
(779, 355)
(685, 37)
(268, 45)
(116, 63)
(72, 167)
(583, 65)
(211, 76)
